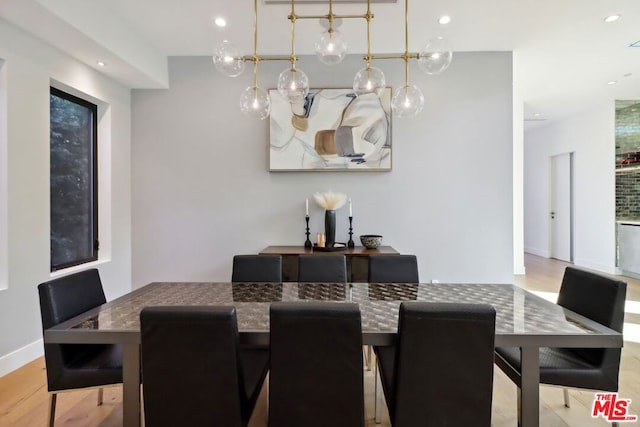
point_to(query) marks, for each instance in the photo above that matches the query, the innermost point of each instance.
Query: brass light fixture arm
(331, 17)
(368, 17)
(265, 58)
(394, 56)
(293, 17)
(363, 16)
(406, 56)
(255, 58)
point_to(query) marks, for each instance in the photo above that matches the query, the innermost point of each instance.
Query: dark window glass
(74, 201)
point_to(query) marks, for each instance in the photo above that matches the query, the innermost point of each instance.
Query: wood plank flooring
(24, 396)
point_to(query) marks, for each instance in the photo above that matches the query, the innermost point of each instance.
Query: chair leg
(567, 401)
(52, 408)
(367, 358)
(614, 424)
(377, 405)
(100, 395)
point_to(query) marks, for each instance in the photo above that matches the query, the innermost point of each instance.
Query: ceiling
(564, 52)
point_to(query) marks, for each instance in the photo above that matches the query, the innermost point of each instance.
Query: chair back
(601, 299)
(322, 268)
(393, 269)
(190, 366)
(257, 268)
(316, 376)
(443, 365)
(60, 300)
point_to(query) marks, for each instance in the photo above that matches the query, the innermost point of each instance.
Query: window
(74, 183)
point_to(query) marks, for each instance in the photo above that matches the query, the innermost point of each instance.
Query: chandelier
(331, 48)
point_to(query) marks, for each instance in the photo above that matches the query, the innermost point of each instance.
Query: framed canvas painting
(332, 130)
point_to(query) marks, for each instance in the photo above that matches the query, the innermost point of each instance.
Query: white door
(560, 212)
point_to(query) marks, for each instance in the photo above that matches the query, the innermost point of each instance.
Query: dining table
(523, 320)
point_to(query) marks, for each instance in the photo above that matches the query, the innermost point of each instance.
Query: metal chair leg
(369, 360)
(52, 408)
(100, 395)
(567, 401)
(377, 406)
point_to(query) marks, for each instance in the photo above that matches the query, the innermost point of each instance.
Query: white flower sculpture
(330, 201)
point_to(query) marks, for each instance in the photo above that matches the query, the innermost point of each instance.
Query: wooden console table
(357, 260)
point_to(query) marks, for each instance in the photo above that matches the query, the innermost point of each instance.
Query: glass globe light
(331, 47)
(407, 101)
(255, 103)
(293, 85)
(435, 56)
(228, 60)
(369, 80)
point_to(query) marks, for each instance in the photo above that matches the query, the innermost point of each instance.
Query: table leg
(529, 413)
(131, 386)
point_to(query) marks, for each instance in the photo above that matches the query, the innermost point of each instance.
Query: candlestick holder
(307, 243)
(350, 243)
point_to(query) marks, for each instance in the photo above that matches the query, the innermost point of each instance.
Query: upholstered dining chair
(393, 269)
(440, 371)
(322, 386)
(193, 369)
(257, 268)
(595, 297)
(389, 269)
(322, 268)
(74, 366)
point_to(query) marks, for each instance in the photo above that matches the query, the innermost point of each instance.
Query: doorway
(561, 207)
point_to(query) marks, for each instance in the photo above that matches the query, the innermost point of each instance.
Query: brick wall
(628, 192)
(628, 176)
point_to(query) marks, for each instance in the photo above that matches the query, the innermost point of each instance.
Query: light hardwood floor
(24, 397)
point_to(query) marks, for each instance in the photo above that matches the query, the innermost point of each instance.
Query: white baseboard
(519, 270)
(539, 252)
(609, 269)
(16, 359)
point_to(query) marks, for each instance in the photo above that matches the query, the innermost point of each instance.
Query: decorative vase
(330, 227)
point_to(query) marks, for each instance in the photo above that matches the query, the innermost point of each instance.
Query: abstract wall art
(331, 130)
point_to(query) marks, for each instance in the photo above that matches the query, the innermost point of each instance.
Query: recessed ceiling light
(101, 64)
(612, 82)
(611, 18)
(444, 19)
(536, 115)
(220, 22)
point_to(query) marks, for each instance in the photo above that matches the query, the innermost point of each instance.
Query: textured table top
(522, 317)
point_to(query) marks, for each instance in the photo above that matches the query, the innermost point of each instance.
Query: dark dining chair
(74, 366)
(595, 297)
(440, 370)
(322, 268)
(257, 268)
(393, 269)
(194, 372)
(322, 386)
(389, 269)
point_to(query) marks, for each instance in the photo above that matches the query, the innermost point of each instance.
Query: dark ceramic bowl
(371, 241)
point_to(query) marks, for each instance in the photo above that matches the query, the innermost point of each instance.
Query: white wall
(4, 163)
(590, 135)
(518, 172)
(202, 191)
(30, 67)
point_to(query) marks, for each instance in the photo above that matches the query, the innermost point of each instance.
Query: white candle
(306, 207)
(350, 209)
